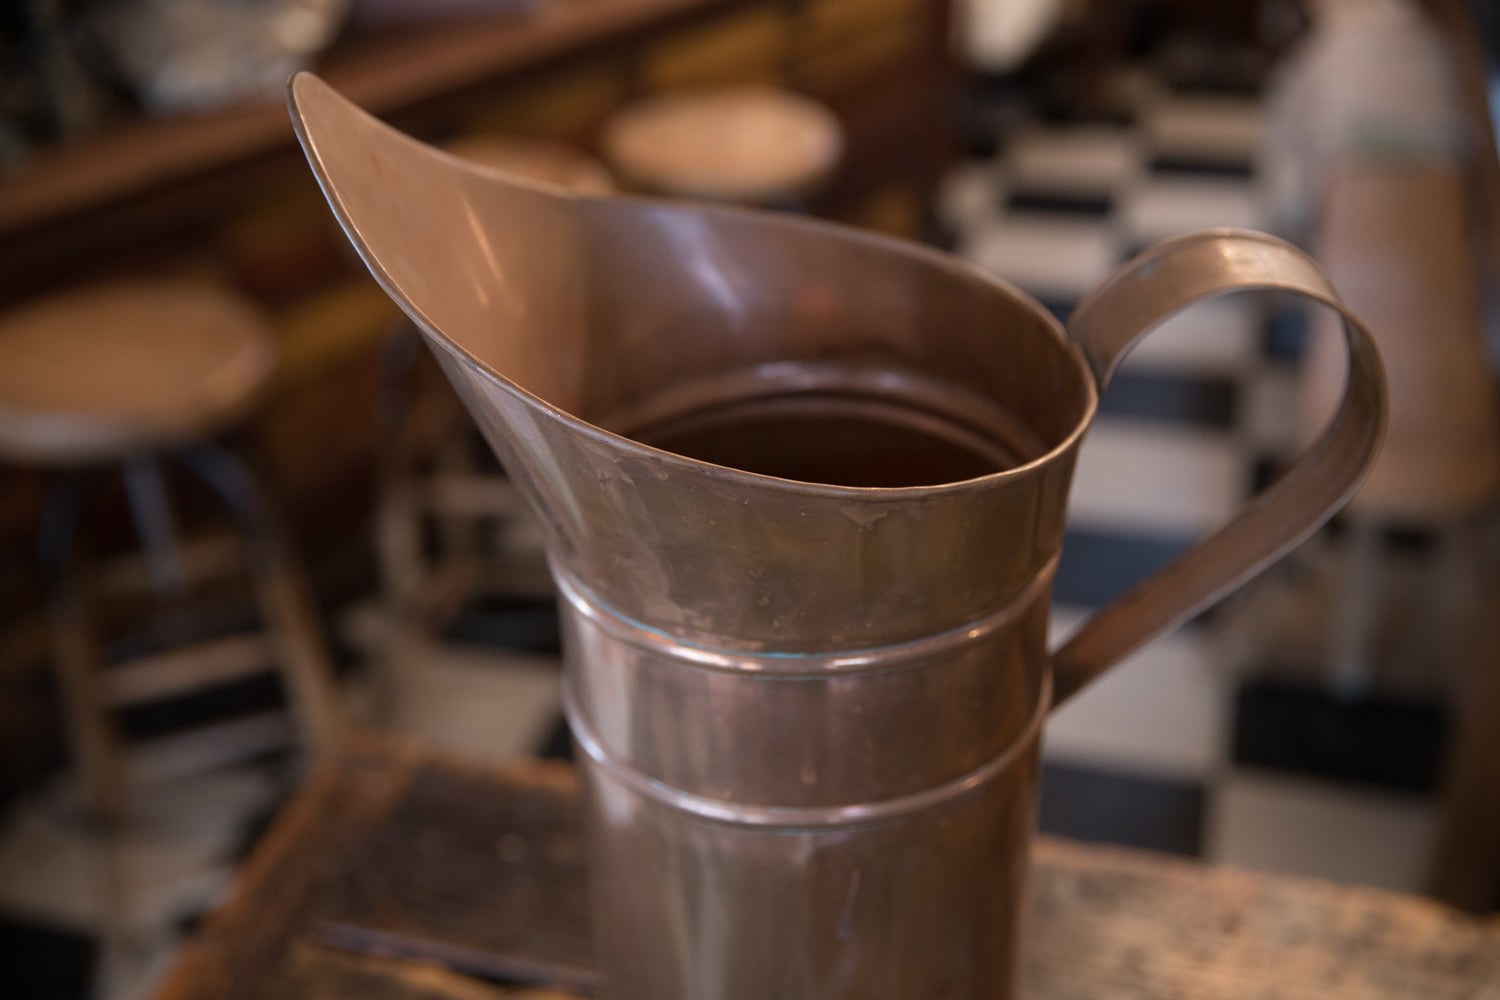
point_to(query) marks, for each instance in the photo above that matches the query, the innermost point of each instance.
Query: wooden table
(396, 871)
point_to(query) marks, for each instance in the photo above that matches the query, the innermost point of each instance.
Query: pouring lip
(927, 255)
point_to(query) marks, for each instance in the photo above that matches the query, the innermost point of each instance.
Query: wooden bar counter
(400, 875)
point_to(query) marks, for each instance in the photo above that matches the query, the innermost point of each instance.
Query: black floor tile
(1223, 82)
(1411, 540)
(1096, 567)
(1168, 167)
(529, 626)
(1202, 401)
(1065, 112)
(1386, 744)
(559, 742)
(1060, 308)
(1396, 538)
(40, 963)
(1264, 471)
(1093, 206)
(1102, 807)
(31, 743)
(195, 708)
(1285, 334)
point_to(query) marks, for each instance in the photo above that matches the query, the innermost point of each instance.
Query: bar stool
(1393, 238)
(749, 145)
(1396, 240)
(136, 377)
(450, 526)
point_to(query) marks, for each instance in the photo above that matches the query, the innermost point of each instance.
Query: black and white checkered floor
(1157, 754)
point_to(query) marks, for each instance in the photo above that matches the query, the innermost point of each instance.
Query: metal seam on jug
(893, 656)
(739, 814)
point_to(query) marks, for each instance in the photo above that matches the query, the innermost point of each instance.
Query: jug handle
(1137, 297)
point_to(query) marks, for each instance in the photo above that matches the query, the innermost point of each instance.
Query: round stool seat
(101, 373)
(536, 159)
(754, 145)
(1394, 242)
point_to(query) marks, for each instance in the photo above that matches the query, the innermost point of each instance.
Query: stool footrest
(209, 748)
(211, 557)
(187, 669)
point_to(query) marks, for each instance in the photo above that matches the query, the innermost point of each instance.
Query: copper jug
(803, 492)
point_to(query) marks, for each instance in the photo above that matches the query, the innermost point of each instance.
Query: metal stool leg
(93, 742)
(282, 593)
(156, 525)
(415, 426)
(91, 735)
(398, 515)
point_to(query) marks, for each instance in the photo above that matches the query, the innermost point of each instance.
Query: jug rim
(733, 473)
(925, 255)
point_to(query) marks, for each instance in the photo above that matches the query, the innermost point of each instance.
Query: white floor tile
(1217, 337)
(467, 699)
(1093, 160)
(1163, 711)
(1163, 207)
(1333, 831)
(477, 702)
(1271, 410)
(1050, 258)
(47, 872)
(1066, 619)
(52, 869)
(1218, 128)
(969, 196)
(1156, 479)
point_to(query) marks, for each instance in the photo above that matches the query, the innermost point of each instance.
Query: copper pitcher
(803, 492)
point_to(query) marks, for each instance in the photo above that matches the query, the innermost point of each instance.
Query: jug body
(842, 825)
(807, 710)
(808, 715)
(805, 599)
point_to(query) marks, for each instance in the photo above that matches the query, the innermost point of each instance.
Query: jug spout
(717, 413)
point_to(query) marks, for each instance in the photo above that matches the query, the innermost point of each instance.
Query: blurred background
(241, 512)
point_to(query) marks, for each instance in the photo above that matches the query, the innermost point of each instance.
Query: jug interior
(836, 425)
(764, 343)
(807, 352)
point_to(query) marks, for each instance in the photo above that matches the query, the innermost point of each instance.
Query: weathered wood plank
(308, 972)
(1125, 924)
(462, 862)
(241, 943)
(431, 864)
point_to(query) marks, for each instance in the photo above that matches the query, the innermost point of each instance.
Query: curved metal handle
(1105, 325)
